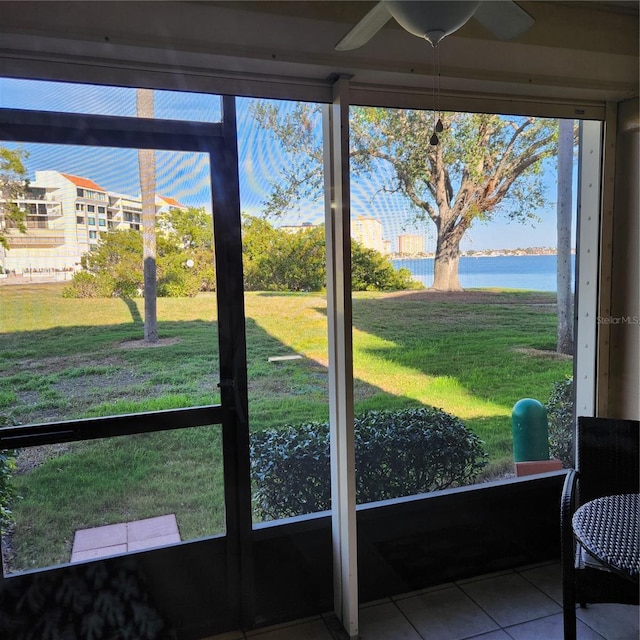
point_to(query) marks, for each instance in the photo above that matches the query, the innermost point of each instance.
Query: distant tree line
(279, 260)
(273, 259)
(484, 165)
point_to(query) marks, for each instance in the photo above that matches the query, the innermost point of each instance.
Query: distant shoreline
(489, 253)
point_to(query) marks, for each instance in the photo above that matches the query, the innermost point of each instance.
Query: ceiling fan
(435, 19)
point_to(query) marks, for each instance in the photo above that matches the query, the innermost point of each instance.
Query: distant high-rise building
(410, 244)
(368, 232)
(295, 228)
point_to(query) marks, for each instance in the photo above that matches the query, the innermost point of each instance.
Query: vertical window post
(588, 237)
(605, 283)
(339, 314)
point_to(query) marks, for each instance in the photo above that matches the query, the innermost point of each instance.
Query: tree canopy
(187, 228)
(484, 165)
(280, 260)
(115, 267)
(274, 260)
(13, 184)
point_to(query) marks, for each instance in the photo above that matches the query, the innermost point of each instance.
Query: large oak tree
(483, 166)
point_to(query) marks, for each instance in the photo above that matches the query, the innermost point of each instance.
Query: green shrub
(88, 285)
(177, 283)
(290, 468)
(401, 453)
(372, 271)
(278, 260)
(176, 279)
(398, 453)
(560, 414)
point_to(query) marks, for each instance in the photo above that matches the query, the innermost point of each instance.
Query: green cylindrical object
(530, 431)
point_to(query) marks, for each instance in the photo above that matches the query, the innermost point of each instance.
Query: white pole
(339, 314)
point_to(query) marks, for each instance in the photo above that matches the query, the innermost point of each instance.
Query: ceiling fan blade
(365, 29)
(505, 19)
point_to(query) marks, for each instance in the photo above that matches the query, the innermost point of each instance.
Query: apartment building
(368, 232)
(410, 244)
(65, 217)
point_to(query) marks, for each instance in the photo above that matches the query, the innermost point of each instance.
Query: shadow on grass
(133, 310)
(79, 371)
(76, 371)
(498, 346)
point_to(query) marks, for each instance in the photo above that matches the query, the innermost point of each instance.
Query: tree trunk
(565, 190)
(147, 166)
(447, 259)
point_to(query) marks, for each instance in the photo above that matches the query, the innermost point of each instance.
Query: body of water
(535, 273)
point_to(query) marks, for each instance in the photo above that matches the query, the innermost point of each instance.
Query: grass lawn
(472, 354)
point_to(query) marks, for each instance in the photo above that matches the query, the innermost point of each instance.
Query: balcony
(36, 237)
(38, 207)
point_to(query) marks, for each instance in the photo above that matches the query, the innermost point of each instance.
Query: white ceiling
(576, 51)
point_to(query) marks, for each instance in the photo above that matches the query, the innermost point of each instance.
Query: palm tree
(147, 167)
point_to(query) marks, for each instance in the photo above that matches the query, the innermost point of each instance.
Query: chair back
(607, 457)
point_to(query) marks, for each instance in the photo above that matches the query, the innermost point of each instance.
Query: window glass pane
(65, 97)
(110, 176)
(285, 302)
(443, 367)
(86, 500)
(72, 338)
(433, 362)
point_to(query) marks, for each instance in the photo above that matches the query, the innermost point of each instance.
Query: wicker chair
(606, 464)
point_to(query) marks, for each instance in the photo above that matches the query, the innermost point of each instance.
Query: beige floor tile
(385, 622)
(150, 543)
(493, 635)
(549, 628)
(152, 528)
(547, 578)
(447, 614)
(101, 552)
(96, 537)
(510, 599)
(314, 630)
(613, 621)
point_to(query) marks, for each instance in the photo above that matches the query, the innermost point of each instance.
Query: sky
(185, 176)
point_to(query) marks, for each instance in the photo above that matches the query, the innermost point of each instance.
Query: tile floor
(112, 539)
(513, 605)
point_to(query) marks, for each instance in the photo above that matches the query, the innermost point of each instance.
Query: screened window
(76, 492)
(476, 329)
(102, 100)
